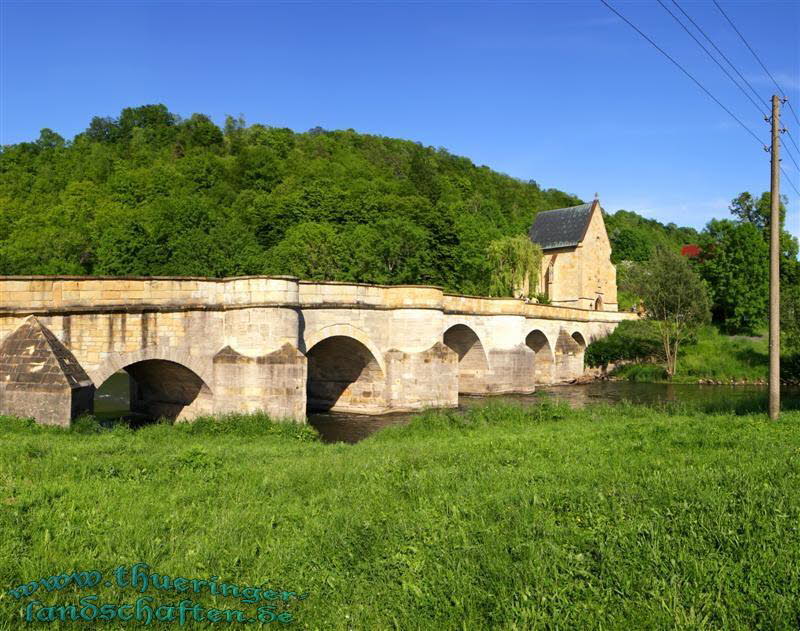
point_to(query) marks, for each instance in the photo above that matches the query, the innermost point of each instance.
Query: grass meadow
(503, 517)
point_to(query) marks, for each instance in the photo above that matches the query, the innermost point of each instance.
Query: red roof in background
(690, 250)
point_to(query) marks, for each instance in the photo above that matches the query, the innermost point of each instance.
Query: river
(111, 401)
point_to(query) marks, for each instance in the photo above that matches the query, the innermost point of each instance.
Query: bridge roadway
(195, 346)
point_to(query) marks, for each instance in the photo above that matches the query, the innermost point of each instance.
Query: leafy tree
(392, 251)
(359, 260)
(156, 120)
(676, 299)
(630, 244)
(48, 139)
(199, 131)
(514, 264)
(235, 132)
(747, 209)
(735, 264)
(103, 129)
(309, 250)
(635, 238)
(258, 168)
(422, 174)
(124, 248)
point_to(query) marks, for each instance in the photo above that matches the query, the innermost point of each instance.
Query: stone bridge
(195, 346)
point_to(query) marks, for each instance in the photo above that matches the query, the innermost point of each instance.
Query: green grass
(501, 518)
(714, 356)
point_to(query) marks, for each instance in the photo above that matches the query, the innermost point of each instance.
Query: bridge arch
(344, 374)
(544, 358)
(473, 361)
(117, 361)
(163, 382)
(344, 330)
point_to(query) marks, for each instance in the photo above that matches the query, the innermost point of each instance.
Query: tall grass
(714, 356)
(501, 518)
(725, 357)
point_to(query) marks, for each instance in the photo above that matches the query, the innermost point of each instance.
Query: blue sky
(561, 92)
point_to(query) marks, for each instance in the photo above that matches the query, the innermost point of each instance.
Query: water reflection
(350, 428)
(341, 427)
(111, 402)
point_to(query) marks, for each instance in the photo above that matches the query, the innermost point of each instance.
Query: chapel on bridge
(576, 267)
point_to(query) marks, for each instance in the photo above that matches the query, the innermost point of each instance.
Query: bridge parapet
(331, 293)
(40, 294)
(31, 294)
(482, 305)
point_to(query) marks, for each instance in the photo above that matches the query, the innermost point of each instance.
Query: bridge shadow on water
(112, 404)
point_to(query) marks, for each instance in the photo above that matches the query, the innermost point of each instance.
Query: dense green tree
(124, 248)
(747, 209)
(630, 244)
(735, 264)
(675, 298)
(199, 131)
(147, 117)
(103, 129)
(48, 139)
(635, 238)
(309, 250)
(401, 250)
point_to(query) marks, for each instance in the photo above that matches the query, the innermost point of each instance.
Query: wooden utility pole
(774, 268)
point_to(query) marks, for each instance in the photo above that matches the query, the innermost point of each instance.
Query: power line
(700, 85)
(714, 59)
(786, 148)
(710, 41)
(750, 48)
(788, 133)
(789, 103)
(789, 153)
(752, 89)
(686, 72)
(788, 179)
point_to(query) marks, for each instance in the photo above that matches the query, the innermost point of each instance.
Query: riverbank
(716, 359)
(503, 517)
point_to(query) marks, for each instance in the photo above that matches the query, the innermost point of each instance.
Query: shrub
(645, 372)
(632, 340)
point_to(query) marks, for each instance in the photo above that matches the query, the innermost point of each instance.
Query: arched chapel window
(598, 304)
(549, 278)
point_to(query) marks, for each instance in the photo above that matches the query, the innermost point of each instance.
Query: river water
(111, 401)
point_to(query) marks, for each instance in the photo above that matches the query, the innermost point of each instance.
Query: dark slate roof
(561, 228)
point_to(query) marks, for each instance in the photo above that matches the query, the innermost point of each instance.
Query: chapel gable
(576, 267)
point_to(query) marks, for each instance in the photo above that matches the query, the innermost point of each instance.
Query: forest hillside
(149, 193)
